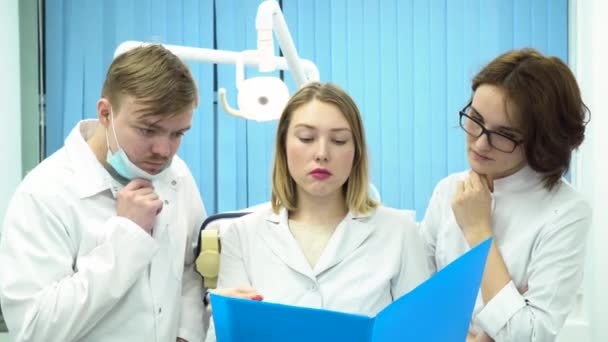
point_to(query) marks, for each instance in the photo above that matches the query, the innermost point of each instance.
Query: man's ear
(104, 108)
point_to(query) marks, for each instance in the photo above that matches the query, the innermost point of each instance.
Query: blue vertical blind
(407, 63)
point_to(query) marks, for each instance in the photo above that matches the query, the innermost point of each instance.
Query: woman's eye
(339, 142)
(305, 139)
(508, 135)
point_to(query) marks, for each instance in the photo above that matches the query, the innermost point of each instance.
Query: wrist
(478, 236)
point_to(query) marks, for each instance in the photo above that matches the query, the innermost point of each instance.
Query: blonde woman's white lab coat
(71, 270)
(369, 261)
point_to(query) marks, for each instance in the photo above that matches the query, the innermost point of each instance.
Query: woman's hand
(472, 207)
(245, 292)
(481, 337)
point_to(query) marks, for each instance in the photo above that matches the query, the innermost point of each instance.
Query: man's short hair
(155, 77)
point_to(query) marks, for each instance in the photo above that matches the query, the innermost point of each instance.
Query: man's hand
(472, 206)
(138, 202)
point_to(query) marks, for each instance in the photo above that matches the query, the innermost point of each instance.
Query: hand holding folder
(439, 310)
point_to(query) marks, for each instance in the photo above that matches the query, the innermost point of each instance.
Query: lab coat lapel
(167, 232)
(350, 234)
(279, 239)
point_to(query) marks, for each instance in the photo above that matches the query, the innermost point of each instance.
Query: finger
(241, 292)
(158, 204)
(151, 200)
(147, 194)
(468, 185)
(257, 298)
(144, 192)
(483, 337)
(489, 183)
(476, 181)
(460, 187)
(247, 292)
(484, 183)
(138, 183)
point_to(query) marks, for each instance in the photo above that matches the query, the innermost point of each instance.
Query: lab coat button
(166, 202)
(174, 182)
(313, 287)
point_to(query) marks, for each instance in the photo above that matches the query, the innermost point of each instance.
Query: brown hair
(548, 107)
(155, 77)
(356, 189)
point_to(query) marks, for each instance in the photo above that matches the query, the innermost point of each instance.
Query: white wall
(589, 53)
(10, 105)
(10, 102)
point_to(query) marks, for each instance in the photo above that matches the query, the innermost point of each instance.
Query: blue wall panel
(439, 112)
(405, 96)
(407, 64)
(388, 112)
(422, 97)
(230, 130)
(55, 70)
(369, 105)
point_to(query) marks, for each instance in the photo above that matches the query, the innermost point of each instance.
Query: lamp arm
(269, 17)
(221, 93)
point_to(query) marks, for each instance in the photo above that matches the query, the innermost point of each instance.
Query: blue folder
(438, 310)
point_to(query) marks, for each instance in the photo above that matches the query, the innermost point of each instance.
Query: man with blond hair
(97, 240)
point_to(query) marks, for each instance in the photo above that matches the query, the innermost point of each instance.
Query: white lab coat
(369, 261)
(541, 235)
(71, 270)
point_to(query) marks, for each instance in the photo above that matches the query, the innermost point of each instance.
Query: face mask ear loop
(107, 140)
(114, 131)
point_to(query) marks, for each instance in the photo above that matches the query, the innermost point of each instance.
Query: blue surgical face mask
(121, 163)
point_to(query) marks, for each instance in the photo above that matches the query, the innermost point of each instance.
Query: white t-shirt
(312, 238)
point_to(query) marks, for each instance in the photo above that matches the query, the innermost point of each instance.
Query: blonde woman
(324, 243)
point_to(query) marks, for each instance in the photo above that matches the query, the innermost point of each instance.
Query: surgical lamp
(259, 98)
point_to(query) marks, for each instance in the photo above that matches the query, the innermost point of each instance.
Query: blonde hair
(356, 189)
(155, 77)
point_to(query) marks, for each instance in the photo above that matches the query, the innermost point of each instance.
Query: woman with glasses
(525, 118)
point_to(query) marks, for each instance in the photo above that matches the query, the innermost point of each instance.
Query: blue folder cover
(437, 310)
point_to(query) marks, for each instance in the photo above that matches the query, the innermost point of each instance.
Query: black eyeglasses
(475, 128)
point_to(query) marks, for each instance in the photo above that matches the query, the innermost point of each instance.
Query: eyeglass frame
(484, 130)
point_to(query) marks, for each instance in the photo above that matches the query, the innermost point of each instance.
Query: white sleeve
(414, 268)
(233, 272)
(431, 223)
(193, 314)
(555, 274)
(50, 295)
